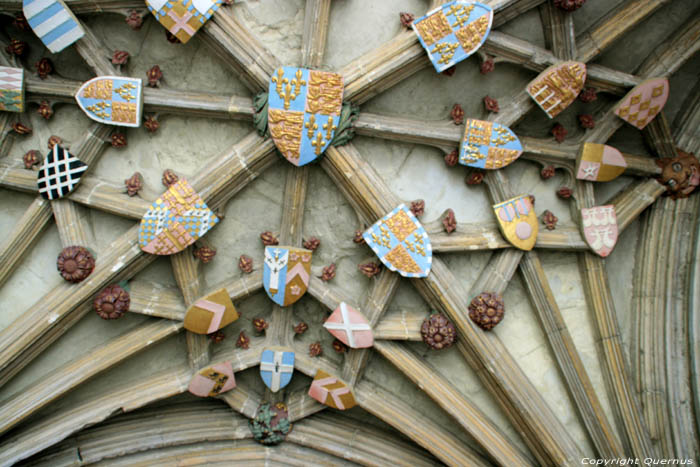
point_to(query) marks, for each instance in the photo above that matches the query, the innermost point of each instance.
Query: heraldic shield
(599, 163)
(11, 89)
(182, 18)
(60, 173)
(304, 112)
(276, 367)
(517, 220)
(350, 327)
(453, 32)
(401, 242)
(331, 391)
(643, 102)
(113, 100)
(210, 313)
(175, 221)
(286, 273)
(488, 145)
(600, 228)
(53, 22)
(558, 86)
(213, 380)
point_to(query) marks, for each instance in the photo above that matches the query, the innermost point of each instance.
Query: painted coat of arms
(60, 173)
(488, 145)
(558, 86)
(182, 18)
(210, 313)
(213, 380)
(286, 273)
(175, 221)
(517, 220)
(53, 23)
(331, 391)
(350, 327)
(11, 89)
(304, 112)
(600, 228)
(643, 102)
(113, 100)
(599, 163)
(453, 32)
(401, 242)
(276, 367)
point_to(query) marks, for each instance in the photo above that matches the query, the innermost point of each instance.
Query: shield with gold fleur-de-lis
(331, 391)
(210, 313)
(641, 105)
(453, 32)
(599, 163)
(286, 273)
(488, 145)
(304, 112)
(517, 221)
(114, 100)
(175, 221)
(213, 380)
(600, 230)
(558, 86)
(401, 243)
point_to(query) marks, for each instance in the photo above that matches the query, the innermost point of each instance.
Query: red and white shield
(350, 327)
(600, 228)
(213, 380)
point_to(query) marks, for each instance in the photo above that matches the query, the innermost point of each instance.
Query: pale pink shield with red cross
(350, 327)
(213, 380)
(600, 228)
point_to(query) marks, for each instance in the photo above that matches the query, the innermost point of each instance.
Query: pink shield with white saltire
(350, 327)
(213, 380)
(600, 228)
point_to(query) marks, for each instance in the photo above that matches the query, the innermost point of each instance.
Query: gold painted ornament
(599, 163)
(557, 87)
(210, 313)
(517, 221)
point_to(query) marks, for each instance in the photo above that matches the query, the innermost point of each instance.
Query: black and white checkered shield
(60, 173)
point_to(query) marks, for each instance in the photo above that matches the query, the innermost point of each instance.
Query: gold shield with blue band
(488, 145)
(304, 112)
(453, 32)
(114, 100)
(401, 243)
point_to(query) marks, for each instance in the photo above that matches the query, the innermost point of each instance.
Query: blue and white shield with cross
(401, 242)
(488, 145)
(453, 32)
(276, 367)
(303, 112)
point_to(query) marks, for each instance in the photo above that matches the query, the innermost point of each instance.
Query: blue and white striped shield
(276, 367)
(53, 22)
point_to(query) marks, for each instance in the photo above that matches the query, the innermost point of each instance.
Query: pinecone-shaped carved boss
(438, 332)
(486, 310)
(271, 424)
(75, 263)
(112, 302)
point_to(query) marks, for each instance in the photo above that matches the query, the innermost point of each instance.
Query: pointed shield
(182, 18)
(517, 220)
(113, 100)
(53, 22)
(599, 163)
(488, 145)
(59, 174)
(304, 112)
(643, 102)
(331, 391)
(286, 273)
(11, 89)
(401, 242)
(213, 380)
(600, 228)
(558, 86)
(350, 327)
(276, 367)
(453, 32)
(210, 313)
(175, 221)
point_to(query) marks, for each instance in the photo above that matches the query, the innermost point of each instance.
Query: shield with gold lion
(401, 243)
(599, 163)
(210, 313)
(517, 220)
(331, 391)
(304, 112)
(286, 273)
(488, 145)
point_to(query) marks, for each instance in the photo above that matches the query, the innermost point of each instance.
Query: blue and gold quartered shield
(286, 273)
(453, 32)
(488, 145)
(114, 100)
(304, 112)
(276, 367)
(517, 221)
(401, 242)
(183, 18)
